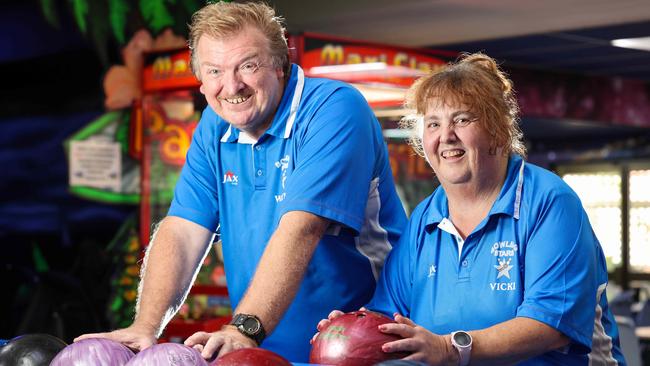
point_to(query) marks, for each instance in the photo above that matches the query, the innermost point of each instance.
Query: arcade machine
(164, 120)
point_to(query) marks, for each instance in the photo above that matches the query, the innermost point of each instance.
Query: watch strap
(464, 352)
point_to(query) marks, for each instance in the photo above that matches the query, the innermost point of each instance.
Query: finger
(137, 345)
(402, 330)
(198, 347)
(403, 320)
(402, 345)
(89, 335)
(197, 338)
(313, 339)
(225, 348)
(322, 324)
(334, 314)
(215, 344)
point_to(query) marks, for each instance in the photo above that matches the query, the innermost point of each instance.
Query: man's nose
(231, 83)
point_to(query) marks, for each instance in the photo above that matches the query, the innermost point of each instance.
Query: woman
(500, 264)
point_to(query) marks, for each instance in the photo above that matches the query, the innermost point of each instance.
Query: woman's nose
(447, 132)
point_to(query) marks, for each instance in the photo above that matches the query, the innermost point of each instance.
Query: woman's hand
(423, 345)
(324, 323)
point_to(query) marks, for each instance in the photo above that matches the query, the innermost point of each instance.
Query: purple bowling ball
(93, 352)
(165, 354)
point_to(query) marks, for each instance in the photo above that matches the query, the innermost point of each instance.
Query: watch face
(462, 339)
(251, 325)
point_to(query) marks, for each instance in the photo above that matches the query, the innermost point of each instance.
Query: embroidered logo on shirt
(432, 270)
(283, 165)
(504, 268)
(504, 249)
(230, 178)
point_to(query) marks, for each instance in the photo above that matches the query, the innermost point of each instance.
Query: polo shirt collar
(286, 112)
(508, 202)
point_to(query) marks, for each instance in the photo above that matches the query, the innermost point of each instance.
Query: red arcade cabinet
(382, 74)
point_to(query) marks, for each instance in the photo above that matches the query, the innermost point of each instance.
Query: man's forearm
(282, 267)
(169, 268)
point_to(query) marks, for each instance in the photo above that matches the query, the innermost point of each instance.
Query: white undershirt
(448, 226)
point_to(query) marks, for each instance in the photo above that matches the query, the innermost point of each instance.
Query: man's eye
(248, 67)
(214, 71)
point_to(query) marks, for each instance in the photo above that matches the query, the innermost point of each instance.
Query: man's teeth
(236, 100)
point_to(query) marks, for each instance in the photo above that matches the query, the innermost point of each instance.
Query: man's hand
(423, 345)
(135, 337)
(217, 344)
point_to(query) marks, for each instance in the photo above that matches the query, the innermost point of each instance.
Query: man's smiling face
(240, 80)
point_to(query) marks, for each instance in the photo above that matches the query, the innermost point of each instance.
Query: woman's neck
(469, 203)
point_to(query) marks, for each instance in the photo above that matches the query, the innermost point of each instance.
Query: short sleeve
(336, 150)
(195, 195)
(561, 264)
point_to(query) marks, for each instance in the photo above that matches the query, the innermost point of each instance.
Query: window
(640, 221)
(616, 198)
(600, 193)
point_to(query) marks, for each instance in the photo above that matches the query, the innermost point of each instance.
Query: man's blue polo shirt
(535, 255)
(324, 153)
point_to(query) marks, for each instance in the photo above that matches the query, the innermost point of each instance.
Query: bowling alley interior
(99, 106)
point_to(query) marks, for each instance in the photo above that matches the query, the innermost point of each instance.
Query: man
(295, 175)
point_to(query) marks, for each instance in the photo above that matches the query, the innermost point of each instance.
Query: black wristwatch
(250, 326)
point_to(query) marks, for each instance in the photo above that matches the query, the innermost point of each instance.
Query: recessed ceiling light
(640, 43)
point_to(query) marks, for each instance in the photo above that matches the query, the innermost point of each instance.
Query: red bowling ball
(251, 357)
(353, 339)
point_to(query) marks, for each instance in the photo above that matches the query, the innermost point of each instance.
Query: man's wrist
(250, 326)
(147, 327)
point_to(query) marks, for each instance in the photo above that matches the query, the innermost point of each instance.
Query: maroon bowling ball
(251, 357)
(168, 354)
(93, 352)
(353, 339)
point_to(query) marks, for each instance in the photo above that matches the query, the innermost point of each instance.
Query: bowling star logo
(504, 268)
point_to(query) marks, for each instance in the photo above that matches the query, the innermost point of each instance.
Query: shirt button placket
(259, 159)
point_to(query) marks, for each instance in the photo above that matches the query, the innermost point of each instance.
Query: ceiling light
(639, 43)
(361, 67)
